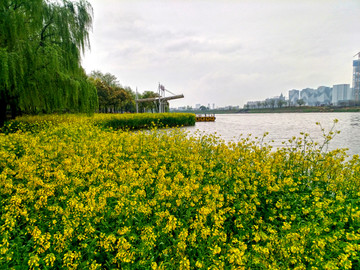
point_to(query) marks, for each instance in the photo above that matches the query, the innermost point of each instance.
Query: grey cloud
(198, 45)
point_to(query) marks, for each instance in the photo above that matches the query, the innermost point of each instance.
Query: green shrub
(147, 120)
(114, 121)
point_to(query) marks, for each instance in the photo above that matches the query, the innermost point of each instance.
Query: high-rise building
(356, 78)
(341, 93)
(294, 96)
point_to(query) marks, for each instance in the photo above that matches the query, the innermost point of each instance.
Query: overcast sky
(222, 51)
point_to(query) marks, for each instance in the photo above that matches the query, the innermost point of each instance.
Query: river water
(283, 126)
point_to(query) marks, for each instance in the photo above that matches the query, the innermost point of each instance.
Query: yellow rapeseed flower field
(77, 196)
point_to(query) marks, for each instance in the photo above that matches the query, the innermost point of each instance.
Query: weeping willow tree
(41, 43)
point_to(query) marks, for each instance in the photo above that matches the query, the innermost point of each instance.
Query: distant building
(273, 102)
(341, 93)
(252, 104)
(308, 96)
(197, 106)
(323, 96)
(294, 96)
(311, 97)
(280, 100)
(183, 108)
(356, 79)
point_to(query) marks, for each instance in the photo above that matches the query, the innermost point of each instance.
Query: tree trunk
(14, 109)
(3, 107)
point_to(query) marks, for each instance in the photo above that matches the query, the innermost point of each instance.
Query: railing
(205, 117)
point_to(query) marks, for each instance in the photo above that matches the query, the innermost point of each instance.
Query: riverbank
(300, 109)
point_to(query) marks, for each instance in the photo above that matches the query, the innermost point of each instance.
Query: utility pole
(159, 91)
(161, 98)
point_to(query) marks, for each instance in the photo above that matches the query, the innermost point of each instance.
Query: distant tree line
(112, 96)
(272, 104)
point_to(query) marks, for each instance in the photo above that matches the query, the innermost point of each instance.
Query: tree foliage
(281, 103)
(40, 51)
(112, 96)
(272, 103)
(149, 106)
(300, 102)
(106, 78)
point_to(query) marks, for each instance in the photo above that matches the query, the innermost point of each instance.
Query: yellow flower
(33, 262)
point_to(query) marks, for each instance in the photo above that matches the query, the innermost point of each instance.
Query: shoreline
(302, 109)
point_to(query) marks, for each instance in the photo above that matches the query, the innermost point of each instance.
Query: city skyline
(224, 52)
(323, 95)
